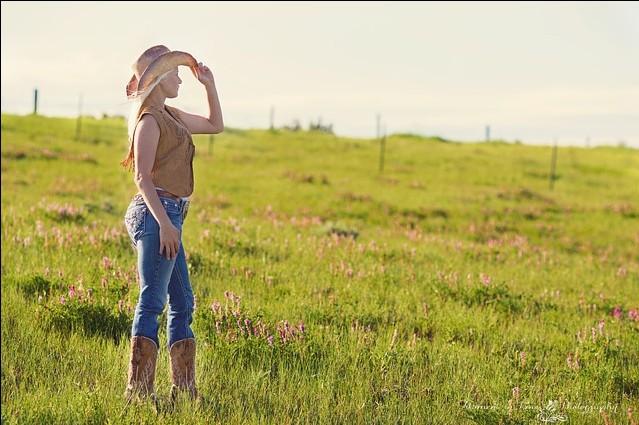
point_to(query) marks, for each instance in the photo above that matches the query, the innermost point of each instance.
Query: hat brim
(160, 65)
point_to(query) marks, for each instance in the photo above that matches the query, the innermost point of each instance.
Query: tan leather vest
(173, 166)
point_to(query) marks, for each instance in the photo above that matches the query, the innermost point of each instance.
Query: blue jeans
(160, 277)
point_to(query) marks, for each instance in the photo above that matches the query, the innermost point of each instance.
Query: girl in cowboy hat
(161, 154)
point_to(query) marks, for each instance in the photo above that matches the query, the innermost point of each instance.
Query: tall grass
(453, 288)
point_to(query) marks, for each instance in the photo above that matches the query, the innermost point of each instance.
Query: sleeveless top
(173, 167)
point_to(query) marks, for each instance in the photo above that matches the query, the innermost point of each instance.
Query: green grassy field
(453, 288)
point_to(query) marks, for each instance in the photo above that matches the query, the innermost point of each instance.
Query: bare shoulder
(149, 123)
(148, 128)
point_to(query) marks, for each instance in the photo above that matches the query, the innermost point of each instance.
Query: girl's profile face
(171, 84)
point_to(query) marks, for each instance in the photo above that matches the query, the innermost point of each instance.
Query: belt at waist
(162, 193)
(168, 195)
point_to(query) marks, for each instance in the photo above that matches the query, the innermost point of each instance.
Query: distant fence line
(313, 125)
(97, 132)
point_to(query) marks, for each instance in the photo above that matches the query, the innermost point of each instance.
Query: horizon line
(591, 144)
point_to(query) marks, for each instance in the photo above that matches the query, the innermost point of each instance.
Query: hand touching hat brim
(163, 64)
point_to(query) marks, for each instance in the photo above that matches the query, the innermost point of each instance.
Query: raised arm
(214, 123)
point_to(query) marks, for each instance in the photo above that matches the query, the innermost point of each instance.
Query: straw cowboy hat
(154, 62)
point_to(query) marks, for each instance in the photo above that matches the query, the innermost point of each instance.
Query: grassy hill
(454, 287)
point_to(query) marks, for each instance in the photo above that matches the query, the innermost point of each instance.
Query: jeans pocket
(134, 220)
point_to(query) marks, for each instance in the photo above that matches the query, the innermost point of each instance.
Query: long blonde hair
(136, 106)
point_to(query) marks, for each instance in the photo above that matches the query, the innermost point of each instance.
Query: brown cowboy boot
(141, 376)
(182, 358)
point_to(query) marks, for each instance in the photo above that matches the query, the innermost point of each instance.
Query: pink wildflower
(617, 313)
(106, 262)
(516, 393)
(215, 307)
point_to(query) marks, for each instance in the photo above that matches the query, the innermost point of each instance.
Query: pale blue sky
(532, 71)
